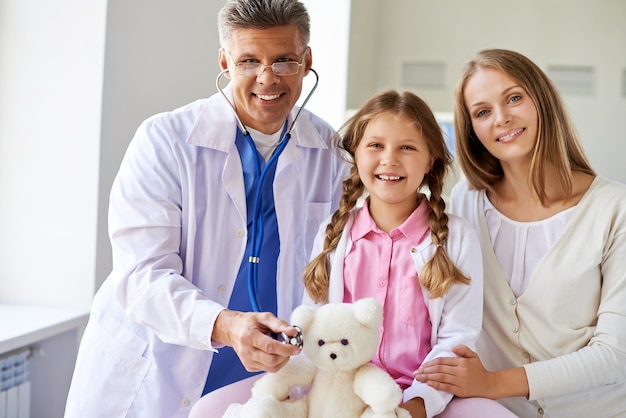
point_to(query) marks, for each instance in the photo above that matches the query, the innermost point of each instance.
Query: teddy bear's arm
(299, 371)
(377, 389)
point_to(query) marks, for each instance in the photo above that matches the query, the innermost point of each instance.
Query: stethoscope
(257, 216)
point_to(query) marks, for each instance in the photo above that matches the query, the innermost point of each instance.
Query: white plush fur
(336, 376)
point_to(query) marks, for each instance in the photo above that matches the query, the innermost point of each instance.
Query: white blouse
(519, 245)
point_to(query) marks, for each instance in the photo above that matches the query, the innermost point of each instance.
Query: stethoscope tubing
(257, 228)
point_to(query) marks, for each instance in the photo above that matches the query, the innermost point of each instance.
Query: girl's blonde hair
(557, 142)
(440, 272)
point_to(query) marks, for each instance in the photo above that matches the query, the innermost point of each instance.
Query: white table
(52, 335)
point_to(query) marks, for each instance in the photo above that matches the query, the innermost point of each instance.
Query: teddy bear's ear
(368, 312)
(303, 316)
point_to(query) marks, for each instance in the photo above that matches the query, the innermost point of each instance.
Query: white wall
(76, 79)
(330, 39)
(51, 68)
(386, 33)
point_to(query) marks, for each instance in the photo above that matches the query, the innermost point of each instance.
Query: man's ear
(308, 61)
(222, 60)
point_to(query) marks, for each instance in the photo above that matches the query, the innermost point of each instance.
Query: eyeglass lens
(278, 68)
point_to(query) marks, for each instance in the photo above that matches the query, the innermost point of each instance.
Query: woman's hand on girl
(463, 376)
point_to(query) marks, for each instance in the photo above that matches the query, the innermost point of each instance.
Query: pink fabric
(475, 408)
(380, 265)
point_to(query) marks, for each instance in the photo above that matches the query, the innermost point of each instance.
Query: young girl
(422, 265)
(553, 235)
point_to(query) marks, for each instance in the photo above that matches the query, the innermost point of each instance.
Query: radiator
(14, 384)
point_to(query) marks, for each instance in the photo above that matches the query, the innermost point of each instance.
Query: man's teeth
(384, 177)
(267, 96)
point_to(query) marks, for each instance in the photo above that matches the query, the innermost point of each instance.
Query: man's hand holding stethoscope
(250, 335)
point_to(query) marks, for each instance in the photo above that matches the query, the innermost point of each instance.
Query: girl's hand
(464, 376)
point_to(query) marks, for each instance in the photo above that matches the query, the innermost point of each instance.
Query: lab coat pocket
(116, 367)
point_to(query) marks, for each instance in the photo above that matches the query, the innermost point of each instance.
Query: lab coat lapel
(232, 178)
(217, 130)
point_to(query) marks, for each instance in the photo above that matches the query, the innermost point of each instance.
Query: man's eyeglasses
(249, 69)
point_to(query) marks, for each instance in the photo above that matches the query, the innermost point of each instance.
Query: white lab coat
(177, 223)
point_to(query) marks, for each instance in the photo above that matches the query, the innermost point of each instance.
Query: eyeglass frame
(261, 67)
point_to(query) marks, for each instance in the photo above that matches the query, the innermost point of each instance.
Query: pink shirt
(380, 265)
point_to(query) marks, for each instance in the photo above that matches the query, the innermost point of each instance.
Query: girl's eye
(481, 113)
(344, 342)
(321, 342)
(516, 98)
(407, 147)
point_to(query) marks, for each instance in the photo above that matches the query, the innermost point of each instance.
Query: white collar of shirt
(265, 143)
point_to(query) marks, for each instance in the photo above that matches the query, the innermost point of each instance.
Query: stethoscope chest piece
(297, 340)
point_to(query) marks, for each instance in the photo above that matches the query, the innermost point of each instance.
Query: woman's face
(503, 115)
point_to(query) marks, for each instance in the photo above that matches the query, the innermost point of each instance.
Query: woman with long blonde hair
(553, 235)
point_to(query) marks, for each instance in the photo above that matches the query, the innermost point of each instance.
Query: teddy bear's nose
(333, 356)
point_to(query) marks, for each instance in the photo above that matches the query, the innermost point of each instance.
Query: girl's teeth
(383, 177)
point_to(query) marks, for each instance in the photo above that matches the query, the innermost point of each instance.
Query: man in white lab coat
(180, 226)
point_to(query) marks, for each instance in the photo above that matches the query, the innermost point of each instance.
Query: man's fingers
(257, 348)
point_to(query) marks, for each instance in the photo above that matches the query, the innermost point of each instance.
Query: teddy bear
(333, 377)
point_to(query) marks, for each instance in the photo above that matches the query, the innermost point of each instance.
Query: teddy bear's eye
(344, 342)
(321, 342)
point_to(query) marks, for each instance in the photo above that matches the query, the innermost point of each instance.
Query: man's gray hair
(262, 14)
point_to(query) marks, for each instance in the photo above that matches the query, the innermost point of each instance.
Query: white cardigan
(568, 329)
(456, 317)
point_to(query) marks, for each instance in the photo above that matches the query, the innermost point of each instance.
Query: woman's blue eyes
(514, 99)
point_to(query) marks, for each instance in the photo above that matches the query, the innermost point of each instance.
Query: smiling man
(212, 217)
